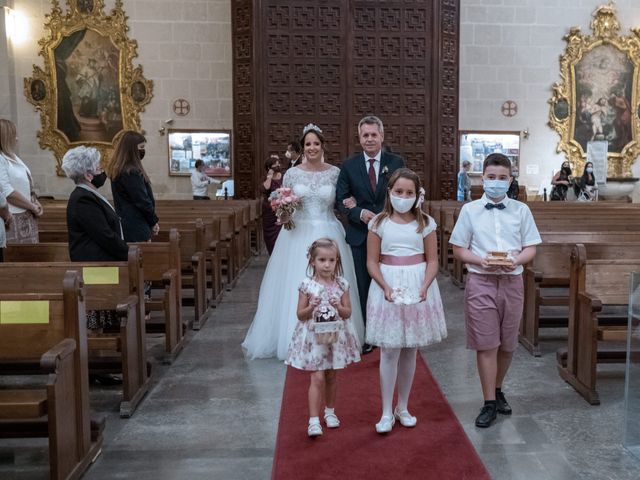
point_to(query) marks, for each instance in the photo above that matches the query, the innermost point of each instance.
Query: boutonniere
(385, 170)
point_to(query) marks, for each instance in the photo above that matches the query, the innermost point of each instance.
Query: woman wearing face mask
(586, 187)
(270, 226)
(561, 182)
(95, 233)
(131, 189)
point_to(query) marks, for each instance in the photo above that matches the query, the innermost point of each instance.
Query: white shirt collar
(485, 200)
(377, 157)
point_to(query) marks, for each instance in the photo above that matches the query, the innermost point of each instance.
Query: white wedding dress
(276, 318)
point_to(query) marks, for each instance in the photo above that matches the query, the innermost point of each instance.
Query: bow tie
(499, 206)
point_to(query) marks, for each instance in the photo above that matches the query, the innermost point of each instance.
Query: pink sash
(404, 260)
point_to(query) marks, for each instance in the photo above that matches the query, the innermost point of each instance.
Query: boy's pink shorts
(493, 310)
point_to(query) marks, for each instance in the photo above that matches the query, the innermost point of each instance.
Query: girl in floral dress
(323, 296)
(404, 309)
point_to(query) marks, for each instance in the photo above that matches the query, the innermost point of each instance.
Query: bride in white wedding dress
(315, 183)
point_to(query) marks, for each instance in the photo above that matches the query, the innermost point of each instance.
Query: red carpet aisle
(437, 448)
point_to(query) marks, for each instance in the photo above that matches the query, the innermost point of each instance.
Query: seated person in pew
(495, 236)
(95, 233)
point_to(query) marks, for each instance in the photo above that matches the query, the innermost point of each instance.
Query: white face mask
(287, 154)
(402, 205)
(589, 170)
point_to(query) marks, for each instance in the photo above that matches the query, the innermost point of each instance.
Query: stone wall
(183, 46)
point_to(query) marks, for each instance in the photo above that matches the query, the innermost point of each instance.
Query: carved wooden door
(333, 61)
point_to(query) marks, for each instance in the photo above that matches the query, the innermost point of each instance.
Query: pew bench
(54, 338)
(107, 286)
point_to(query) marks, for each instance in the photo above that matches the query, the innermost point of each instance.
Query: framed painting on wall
(88, 92)
(213, 147)
(597, 98)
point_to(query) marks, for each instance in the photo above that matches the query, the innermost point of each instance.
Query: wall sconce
(525, 133)
(163, 126)
(16, 25)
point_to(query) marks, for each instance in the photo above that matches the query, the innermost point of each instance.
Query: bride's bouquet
(284, 203)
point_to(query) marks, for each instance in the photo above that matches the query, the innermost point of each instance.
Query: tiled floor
(213, 415)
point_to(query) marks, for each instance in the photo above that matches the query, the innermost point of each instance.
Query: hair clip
(311, 126)
(421, 194)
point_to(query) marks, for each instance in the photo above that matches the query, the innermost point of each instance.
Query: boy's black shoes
(487, 415)
(503, 406)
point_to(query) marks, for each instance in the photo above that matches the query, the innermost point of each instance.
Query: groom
(364, 176)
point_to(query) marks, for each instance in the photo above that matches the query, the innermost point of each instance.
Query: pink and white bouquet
(284, 203)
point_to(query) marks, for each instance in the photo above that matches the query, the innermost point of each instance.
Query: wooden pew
(58, 410)
(594, 284)
(122, 351)
(160, 263)
(546, 281)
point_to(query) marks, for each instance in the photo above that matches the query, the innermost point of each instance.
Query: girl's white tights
(396, 364)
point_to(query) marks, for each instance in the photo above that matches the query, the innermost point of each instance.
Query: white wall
(509, 51)
(184, 47)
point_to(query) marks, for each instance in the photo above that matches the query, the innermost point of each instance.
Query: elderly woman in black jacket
(95, 234)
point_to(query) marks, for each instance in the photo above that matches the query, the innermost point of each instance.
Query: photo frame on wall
(597, 97)
(213, 147)
(88, 92)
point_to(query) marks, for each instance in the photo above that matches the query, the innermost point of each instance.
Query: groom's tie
(372, 174)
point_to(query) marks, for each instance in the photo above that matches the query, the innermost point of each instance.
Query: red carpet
(437, 448)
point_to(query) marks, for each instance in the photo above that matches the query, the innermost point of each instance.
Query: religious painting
(88, 91)
(213, 147)
(597, 94)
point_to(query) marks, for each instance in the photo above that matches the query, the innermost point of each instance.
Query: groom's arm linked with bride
(364, 177)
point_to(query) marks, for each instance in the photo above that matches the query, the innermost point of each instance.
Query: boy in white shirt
(494, 294)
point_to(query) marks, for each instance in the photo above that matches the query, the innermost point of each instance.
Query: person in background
(514, 188)
(464, 182)
(131, 189)
(561, 182)
(294, 153)
(6, 217)
(270, 226)
(200, 181)
(16, 185)
(586, 187)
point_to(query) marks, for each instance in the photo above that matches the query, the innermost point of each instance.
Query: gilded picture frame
(88, 92)
(597, 96)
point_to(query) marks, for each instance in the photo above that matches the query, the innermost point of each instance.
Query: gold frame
(129, 93)
(564, 105)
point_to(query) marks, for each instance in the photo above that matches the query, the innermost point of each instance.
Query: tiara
(311, 126)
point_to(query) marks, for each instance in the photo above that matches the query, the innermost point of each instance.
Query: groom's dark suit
(353, 181)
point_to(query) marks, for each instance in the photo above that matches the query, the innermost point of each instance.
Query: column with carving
(443, 184)
(244, 111)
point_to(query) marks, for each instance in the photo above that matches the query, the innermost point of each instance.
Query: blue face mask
(496, 188)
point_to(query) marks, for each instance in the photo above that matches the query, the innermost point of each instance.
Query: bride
(314, 182)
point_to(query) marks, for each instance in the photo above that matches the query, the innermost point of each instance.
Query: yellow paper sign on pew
(24, 312)
(101, 275)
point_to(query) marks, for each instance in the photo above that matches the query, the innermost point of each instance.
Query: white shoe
(385, 424)
(405, 418)
(314, 430)
(332, 420)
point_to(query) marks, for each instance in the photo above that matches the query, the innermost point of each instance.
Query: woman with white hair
(95, 233)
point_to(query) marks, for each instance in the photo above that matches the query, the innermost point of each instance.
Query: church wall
(509, 50)
(183, 46)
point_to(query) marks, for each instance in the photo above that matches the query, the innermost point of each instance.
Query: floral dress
(305, 351)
